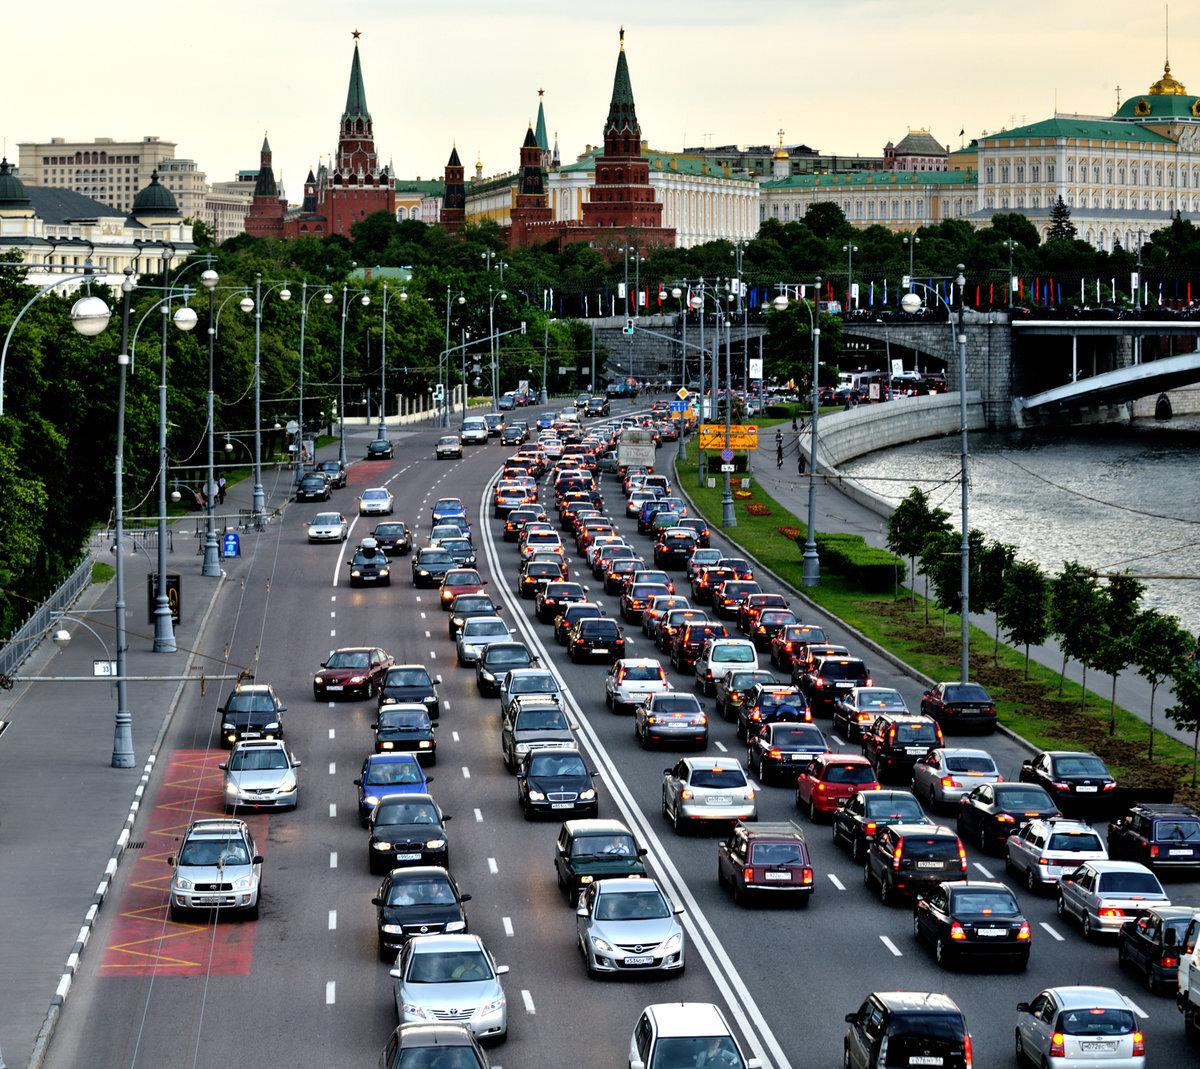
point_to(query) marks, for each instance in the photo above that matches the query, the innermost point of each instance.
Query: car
(991, 812)
(393, 537)
(830, 779)
(779, 750)
(910, 859)
(571, 613)
(674, 546)
(217, 867)
(1103, 895)
(895, 742)
(1159, 835)
(533, 721)
(596, 638)
(785, 641)
(380, 449)
(1152, 942)
(521, 682)
(769, 624)
(451, 978)
(668, 627)
(496, 660)
(721, 655)
(252, 711)
(512, 434)
(628, 926)
(945, 774)
(259, 774)
(313, 487)
(596, 406)
(1043, 850)
(417, 900)
(807, 655)
(1077, 781)
(351, 671)
(430, 564)
(375, 501)
(554, 782)
(459, 581)
(589, 850)
(766, 861)
(767, 703)
(980, 919)
(431, 1044)
(858, 708)
(383, 774)
(734, 687)
(406, 727)
(703, 557)
(448, 445)
(474, 431)
(406, 829)
(630, 679)
(671, 718)
(831, 678)
(636, 596)
(446, 508)
(690, 639)
(328, 527)
(476, 633)
(618, 573)
(960, 707)
(449, 527)
(697, 524)
(507, 498)
(706, 582)
(906, 1028)
(672, 1034)
(461, 550)
(656, 609)
(515, 522)
(535, 574)
(552, 597)
(405, 683)
(1066, 1027)
(334, 470)
(857, 820)
(698, 790)
(495, 423)
(507, 402)
(467, 607)
(369, 564)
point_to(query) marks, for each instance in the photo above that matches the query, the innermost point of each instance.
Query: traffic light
(628, 327)
(439, 392)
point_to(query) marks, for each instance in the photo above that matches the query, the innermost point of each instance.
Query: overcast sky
(844, 77)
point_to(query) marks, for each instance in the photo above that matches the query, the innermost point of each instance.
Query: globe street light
(260, 497)
(402, 296)
(326, 296)
(501, 296)
(364, 300)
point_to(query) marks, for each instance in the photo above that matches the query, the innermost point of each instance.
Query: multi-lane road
(304, 986)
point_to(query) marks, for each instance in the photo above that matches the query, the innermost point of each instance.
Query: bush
(778, 412)
(870, 569)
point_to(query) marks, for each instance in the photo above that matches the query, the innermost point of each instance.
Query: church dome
(781, 154)
(1167, 85)
(155, 200)
(12, 190)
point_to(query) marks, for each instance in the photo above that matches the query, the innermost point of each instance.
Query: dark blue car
(388, 773)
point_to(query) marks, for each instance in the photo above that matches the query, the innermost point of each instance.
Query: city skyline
(842, 86)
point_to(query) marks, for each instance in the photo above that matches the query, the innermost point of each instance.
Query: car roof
(915, 1001)
(217, 826)
(687, 1019)
(712, 762)
(1084, 995)
(1117, 866)
(595, 826)
(445, 943)
(628, 885)
(773, 829)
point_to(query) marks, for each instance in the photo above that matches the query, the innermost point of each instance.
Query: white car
(375, 501)
(528, 681)
(627, 926)
(451, 978)
(699, 789)
(1069, 1027)
(260, 774)
(722, 655)
(474, 431)
(1045, 850)
(476, 633)
(328, 527)
(630, 679)
(945, 774)
(684, 1033)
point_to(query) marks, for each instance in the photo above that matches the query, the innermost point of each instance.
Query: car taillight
(807, 875)
(947, 781)
(1109, 786)
(1005, 818)
(869, 683)
(1056, 1046)
(896, 858)
(1154, 850)
(1139, 1044)
(962, 856)
(1109, 911)
(820, 786)
(748, 874)
(1024, 933)
(870, 828)
(818, 682)
(685, 794)
(956, 931)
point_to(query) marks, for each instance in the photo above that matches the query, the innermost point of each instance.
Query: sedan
(369, 565)
(780, 750)
(406, 728)
(628, 926)
(451, 978)
(449, 445)
(1152, 944)
(976, 920)
(351, 671)
(380, 449)
(328, 527)
(459, 581)
(429, 565)
(1075, 780)
(446, 507)
(571, 614)
(496, 660)
(990, 813)
(468, 606)
(857, 710)
(630, 679)
(313, 487)
(476, 633)
(335, 470)
(551, 598)
(829, 779)
(697, 790)
(1074, 1026)
(671, 718)
(411, 683)
(556, 783)
(944, 775)
(406, 829)
(856, 821)
(260, 774)
(1103, 895)
(422, 900)
(596, 638)
(375, 501)
(960, 706)
(394, 538)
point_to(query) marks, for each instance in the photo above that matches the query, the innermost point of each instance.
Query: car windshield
(1095, 1022)
(374, 495)
(389, 530)
(538, 683)
(250, 703)
(387, 773)
(420, 891)
(448, 440)
(484, 628)
(552, 764)
(408, 677)
(970, 763)
(462, 579)
(448, 504)
(403, 720)
(718, 777)
(323, 519)
(603, 846)
(257, 760)
(631, 906)
(541, 720)
(966, 692)
(1074, 842)
(1079, 766)
(639, 672)
(214, 852)
(349, 659)
(903, 808)
(436, 556)
(457, 545)
(1129, 883)
(405, 813)
(439, 967)
(673, 1051)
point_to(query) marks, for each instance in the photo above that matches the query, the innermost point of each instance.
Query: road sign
(104, 668)
(741, 436)
(677, 406)
(727, 455)
(726, 467)
(681, 393)
(231, 544)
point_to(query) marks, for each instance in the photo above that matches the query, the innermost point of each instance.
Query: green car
(590, 850)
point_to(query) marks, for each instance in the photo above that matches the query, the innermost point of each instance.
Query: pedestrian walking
(779, 449)
(800, 460)
(220, 489)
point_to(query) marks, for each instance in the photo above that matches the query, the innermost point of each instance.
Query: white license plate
(913, 750)
(600, 649)
(924, 1059)
(783, 876)
(991, 931)
(1180, 853)
(206, 901)
(1097, 1046)
(929, 864)
(334, 686)
(718, 800)
(1083, 789)
(408, 857)
(639, 959)
(561, 805)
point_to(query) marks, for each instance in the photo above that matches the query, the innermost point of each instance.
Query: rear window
(920, 848)
(718, 777)
(1129, 883)
(682, 703)
(1184, 831)
(1095, 1022)
(644, 671)
(788, 853)
(938, 1025)
(1074, 841)
(967, 692)
(958, 763)
(849, 774)
(843, 670)
(903, 808)
(996, 903)
(734, 654)
(913, 734)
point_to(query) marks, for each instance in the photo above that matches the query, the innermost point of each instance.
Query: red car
(751, 606)
(350, 671)
(830, 778)
(460, 581)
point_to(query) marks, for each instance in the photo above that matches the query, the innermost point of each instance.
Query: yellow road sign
(741, 436)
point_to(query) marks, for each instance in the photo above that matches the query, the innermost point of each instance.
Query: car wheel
(1088, 931)
(316, 695)
(885, 890)
(846, 1063)
(176, 913)
(867, 876)
(813, 812)
(676, 823)
(1022, 1057)
(858, 851)
(1061, 906)
(942, 952)
(384, 953)
(370, 691)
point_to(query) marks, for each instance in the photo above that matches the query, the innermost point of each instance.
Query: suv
(896, 741)
(910, 859)
(336, 471)
(905, 1028)
(251, 712)
(1044, 850)
(766, 859)
(1159, 836)
(684, 1033)
(589, 850)
(721, 655)
(832, 678)
(217, 867)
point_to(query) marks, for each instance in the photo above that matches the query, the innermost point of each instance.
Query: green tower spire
(356, 95)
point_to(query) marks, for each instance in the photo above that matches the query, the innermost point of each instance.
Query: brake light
(899, 851)
(956, 931)
(807, 876)
(818, 682)
(685, 794)
(748, 874)
(775, 755)
(870, 828)
(1056, 1046)
(870, 682)
(820, 786)
(1109, 786)
(1154, 850)
(967, 1051)
(1005, 818)
(1110, 911)
(962, 856)
(1024, 933)
(947, 781)
(1139, 1044)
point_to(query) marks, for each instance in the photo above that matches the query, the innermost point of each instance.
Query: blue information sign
(232, 545)
(678, 406)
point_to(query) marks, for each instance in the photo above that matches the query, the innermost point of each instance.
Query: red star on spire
(355, 34)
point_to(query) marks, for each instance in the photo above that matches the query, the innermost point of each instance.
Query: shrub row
(870, 569)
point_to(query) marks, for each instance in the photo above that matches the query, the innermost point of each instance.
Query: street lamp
(911, 302)
(365, 300)
(912, 241)
(260, 498)
(1010, 244)
(326, 296)
(501, 296)
(849, 250)
(402, 296)
(443, 365)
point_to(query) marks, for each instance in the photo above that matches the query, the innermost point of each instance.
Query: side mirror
(1022, 1007)
(501, 970)
(258, 859)
(283, 709)
(582, 911)
(223, 766)
(170, 861)
(375, 726)
(295, 763)
(445, 816)
(395, 973)
(377, 901)
(851, 1018)
(485, 582)
(437, 679)
(428, 779)
(358, 783)
(642, 851)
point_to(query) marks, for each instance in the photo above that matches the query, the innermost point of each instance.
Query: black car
(406, 829)
(596, 638)
(689, 640)
(733, 688)
(461, 550)
(910, 859)
(496, 660)
(408, 683)
(770, 623)
(515, 522)
(767, 703)
(380, 449)
(895, 742)
(1160, 836)
(830, 679)
(393, 537)
(430, 565)
(1152, 944)
(780, 750)
(313, 487)
(674, 547)
(251, 712)
(556, 783)
(915, 1028)
(960, 707)
(596, 406)
(336, 471)
(980, 919)
(534, 574)
(512, 435)
(553, 597)
(1077, 781)
(468, 606)
(993, 811)
(369, 565)
(422, 900)
(589, 850)
(406, 728)
(669, 626)
(699, 526)
(571, 614)
(865, 812)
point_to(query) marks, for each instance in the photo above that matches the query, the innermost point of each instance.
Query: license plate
(924, 1059)
(1085, 790)
(1180, 853)
(206, 901)
(777, 875)
(929, 864)
(251, 734)
(600, 649)
(639, 959)
(718, 800)
(334, 686)
(561, 805)
(991, 931)
(408, 857)
(1095, 1045)
(915, 750)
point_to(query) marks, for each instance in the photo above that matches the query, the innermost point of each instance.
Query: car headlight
(414, 1010)
(523, 747)
(492, 1007)
(244, 883)
(434, 844)
(272, 726)
(587, 795)
(370, 799)
(232, 788)
(536, 796)
(602, 946)
(423, 571)
(288, 786)
(672, 944)
(381, 844)
(489, 676)
(392, 929)
(384, 571)
(182, 885)
(355, 572)
(355, 680)
(456, 926)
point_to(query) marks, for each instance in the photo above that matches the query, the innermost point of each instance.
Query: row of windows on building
(88, 158)
(1081, 199)
(1114, 173)
(868, 209)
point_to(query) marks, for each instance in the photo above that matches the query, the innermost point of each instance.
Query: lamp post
(680, 450)
(326, 296)
(911, 303)
(1010, 244)
(728, 519)
(211, 568)
(912, 241)
(365, 300)
(849, 250)
(260, 497)
(450, 295)
(402, 296)
(501, 296)
(810, 576)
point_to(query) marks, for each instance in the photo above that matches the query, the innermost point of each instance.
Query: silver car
(217, 867)
(1045, 850)
(944, 775)
(533, 721)
(375, 501)
(449, 445)
(260, 774)
(518, 681)
(476, 633)
(628, 926)
(671, 718)
(1103, 895)
(451, 978)
(1075, 1027)
(328, 527)
(698, 789)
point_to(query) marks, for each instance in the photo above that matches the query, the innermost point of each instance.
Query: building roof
(621, 112)
(873, 180)
(666, 163)
(542, 141)
(417, 185)
(454, 161)
(531, 140)
(58, 207)
(920, 143)
(155, 199)
(356, 95)
(12, 190)
(1086, 129)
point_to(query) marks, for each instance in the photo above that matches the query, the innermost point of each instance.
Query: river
(1113, 497)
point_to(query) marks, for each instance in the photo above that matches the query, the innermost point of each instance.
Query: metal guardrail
(26, 638)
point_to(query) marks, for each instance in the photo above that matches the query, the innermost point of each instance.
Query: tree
(1115, 651)
(1185, 713)
(1076, 617)
(1160, 648)
(1024, 606)
(1060, 219)
(990, 567)
(910, 523)
(941, 561)
(824, 218)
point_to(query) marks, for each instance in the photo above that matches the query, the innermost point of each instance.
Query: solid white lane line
(508, 928)
(986, 875)
(1053, 934)
(493, 868)
(891, 946)
(1136, 1008)
(527, 998)
(332, 810)
(466, 772)
(835, 881)
(478, 816)
(333, 859)
(332, 920)
(330, 993)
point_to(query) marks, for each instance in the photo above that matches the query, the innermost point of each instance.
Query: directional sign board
(741, 436)
(677, 406)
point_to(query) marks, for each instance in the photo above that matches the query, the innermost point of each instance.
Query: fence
(25, 639)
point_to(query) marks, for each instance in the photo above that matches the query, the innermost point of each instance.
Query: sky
(842, 77)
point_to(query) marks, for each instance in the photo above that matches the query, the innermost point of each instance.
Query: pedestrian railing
(26, 638)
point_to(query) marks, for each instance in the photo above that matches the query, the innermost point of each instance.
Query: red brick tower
(454, 195)
(531, 206)
(266, 209)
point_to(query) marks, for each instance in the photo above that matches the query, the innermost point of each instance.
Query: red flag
(1021, 284)
(991, 293)
(976, 294)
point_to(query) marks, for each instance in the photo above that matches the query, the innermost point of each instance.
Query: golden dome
(1167, 85)
(781, 153)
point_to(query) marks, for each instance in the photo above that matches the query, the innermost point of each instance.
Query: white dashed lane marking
(332, 920)
(508, 927)
(835, 881)
(330, 993)
(333, 768)
(466, 772)
(332, 810)
(333, 859)
(527, 998)
(1052, 933)
(478, 816)
(891, 946)
(986, 874)
(493, 868)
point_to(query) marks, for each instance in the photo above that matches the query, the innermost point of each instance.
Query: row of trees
(1099, 622)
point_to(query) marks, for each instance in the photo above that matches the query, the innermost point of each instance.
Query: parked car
(960, 707)
(1077, 781)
